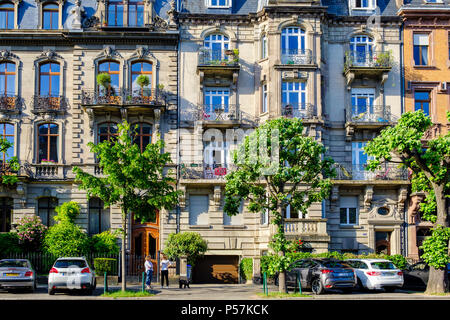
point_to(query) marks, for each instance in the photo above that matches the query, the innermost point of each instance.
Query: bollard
(264, 283)
(299, 282)
(143, 281)
(105, 283)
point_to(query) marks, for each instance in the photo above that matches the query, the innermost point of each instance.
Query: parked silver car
(322, 274)
(71, 273)
(17, 273)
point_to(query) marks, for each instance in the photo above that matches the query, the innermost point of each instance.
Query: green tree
(8, 170)
(430, 165)
(298, 175)
(105, 243)
(132, 179)
(189, 244)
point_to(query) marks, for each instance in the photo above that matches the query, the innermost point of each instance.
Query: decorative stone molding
(402, 195)
(217, 196)
(182, 198)
(414, 207)
(368, 194)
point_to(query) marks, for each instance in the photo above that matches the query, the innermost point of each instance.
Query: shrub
(9, 243)
(31, 233)
(103, 79)
(246, 268)
(103, 265)
(105, 243)
(189, 244)
(143, 81)
(67, 211)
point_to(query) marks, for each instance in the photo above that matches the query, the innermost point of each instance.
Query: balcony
(218, 63)
(433, 132)
(147, 97)
(300, 110)
(367, 64)
(49, 104)
(307, 229)
(205, 171)
(297, 57)
(388, 172)
(10, 104)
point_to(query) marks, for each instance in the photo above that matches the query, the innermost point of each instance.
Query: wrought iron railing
(297, 56)
(9, 102)
(388, 171)
(373, 114)
(46, 103)
(149, 97)
(208, 57)
(201, 170)
(219, 112)
(298, 110)
(378, 59)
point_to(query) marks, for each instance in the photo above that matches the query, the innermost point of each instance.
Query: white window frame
(265, 96)
(216, 92)
(216, 146)
(301, 35)
(367, 93)
(348, 203)
(264, 47)
(358, 171)
(371, 5)
(301, 104)
(228, 4)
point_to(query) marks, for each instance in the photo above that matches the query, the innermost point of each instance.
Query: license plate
(12, 274)
(389, 274)
(63, 273)
(343, 275)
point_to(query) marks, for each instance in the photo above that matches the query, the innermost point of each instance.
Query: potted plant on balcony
(143, 81)
(383, 59)
(104, 80)
(47, 161)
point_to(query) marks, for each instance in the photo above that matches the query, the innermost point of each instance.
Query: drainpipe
(178, 157)
(402, 72)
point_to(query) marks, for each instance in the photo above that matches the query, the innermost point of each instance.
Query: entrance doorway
(383, 242)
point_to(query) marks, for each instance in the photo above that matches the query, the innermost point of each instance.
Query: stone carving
(91, 22)
(159, 24)
(368, 197)
(171, 13)
(217, 196)
(414, 207)
(77, 14)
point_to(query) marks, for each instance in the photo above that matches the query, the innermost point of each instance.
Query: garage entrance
(216, 269)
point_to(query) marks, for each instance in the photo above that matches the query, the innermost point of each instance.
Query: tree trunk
(436, 281)
(282, 278)
(124, 237)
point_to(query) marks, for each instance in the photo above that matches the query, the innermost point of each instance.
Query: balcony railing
(388, 171)
(379, 59)
(45, 103)
(205, 171)
(373, 114)
(9, 103)
(297, 56)
(219, 112)
(296, 227)
(124, 97)
(433, 132)
(299, 110)
(217, 58)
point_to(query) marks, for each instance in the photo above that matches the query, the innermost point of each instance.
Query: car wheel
(360, 286)
(51, 292)
(316, 286)
(390, 289)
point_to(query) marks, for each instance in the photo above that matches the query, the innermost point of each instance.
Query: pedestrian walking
(148, 271)
(165, 263)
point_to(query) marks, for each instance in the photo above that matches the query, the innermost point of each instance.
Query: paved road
(218, 292)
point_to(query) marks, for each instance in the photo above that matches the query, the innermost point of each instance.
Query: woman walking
(148, 271)
(165, 263)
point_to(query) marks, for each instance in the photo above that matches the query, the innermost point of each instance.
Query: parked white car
(71, 273)
(377, 274)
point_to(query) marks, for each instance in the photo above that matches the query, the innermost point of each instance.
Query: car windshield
(13, 263)
(70, 263)
(335, 264)
(383, 265)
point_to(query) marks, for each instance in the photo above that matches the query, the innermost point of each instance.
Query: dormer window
(50, 16)
(362, 6)
(7, 16)
(219, 3)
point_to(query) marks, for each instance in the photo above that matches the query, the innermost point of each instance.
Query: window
(292, 41)
(361, 49)
(263, 47)
(198, 209)
(46, 210)
(113, 69)
(348, 211)
(219, 3)
(50, 16)
(141, 68)
(48, 142)
(362, 3)
(7, 16)
(99, 217)
(264, 98)
(216, 44)
(136, 14)
(143, 135)
(115, 13)
(49, 79)
(422, 101)
(6, 205)
(7, 79)
(359, 161)
(236, 220)
(107, 131)
(421, 43)
(293, 97)
(216, 102)
(7, 133)
(265, 217)
(362, 101)
(215, 156)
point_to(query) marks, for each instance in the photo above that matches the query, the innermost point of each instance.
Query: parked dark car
(321, 275)
(416, 275)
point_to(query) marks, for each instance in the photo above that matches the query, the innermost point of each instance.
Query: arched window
(115, 13)
(143, 135)
(7, 15)
(361, 49)
(136, 14)
(48, 142)
(49, 79)
(107, 131)
(216, 44)
(6, 205)
(293, 41)
(7, 133)
(141, 68)
(7, 79)
(46, 210)
(113, 69)
(99, 217)
(50, 16)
